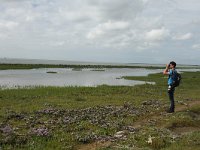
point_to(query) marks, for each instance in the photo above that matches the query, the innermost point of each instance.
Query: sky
(122, 31)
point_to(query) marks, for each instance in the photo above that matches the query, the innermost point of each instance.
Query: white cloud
(118, 25)
(196, 46)
(107, 27)
(94, 33)
(157, 34)
(186, 36)
(57, 43)
(9, 25)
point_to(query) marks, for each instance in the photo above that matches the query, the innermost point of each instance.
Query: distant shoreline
(37, 66)
(4, 66)
(8, 63)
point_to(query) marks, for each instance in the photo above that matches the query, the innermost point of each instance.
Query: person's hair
(173, 63)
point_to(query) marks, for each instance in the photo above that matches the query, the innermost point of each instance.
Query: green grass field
(75, 117)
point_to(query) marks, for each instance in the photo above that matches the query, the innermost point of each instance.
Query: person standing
(170, 70)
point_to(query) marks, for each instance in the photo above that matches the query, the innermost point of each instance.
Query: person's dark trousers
(171, 98)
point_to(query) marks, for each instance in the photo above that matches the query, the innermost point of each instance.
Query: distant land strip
(4, 66)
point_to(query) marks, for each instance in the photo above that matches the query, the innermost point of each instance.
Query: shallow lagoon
(71, 77)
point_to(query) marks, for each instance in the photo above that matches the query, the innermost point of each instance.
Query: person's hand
(166, 69)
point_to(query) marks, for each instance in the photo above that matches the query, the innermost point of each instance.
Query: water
(70, 77)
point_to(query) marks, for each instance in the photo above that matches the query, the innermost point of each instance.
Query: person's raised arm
(166, 71)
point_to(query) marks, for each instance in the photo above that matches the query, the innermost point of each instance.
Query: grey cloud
(117, 9)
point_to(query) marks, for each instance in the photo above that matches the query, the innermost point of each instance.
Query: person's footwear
(170, 111)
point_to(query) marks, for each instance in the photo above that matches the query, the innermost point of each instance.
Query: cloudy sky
(127, 31)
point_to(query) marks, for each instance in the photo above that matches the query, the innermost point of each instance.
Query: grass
(73, 97)
(73, 116)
